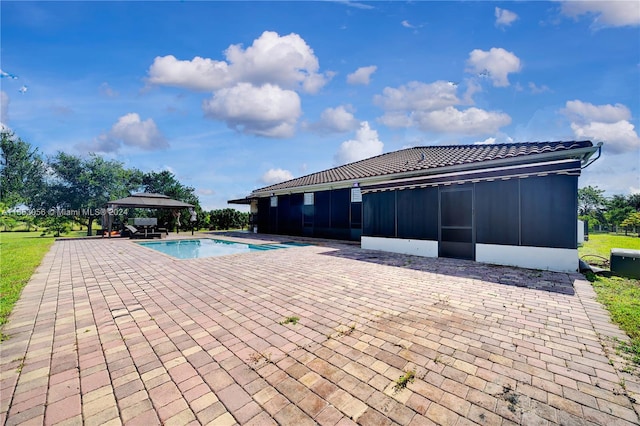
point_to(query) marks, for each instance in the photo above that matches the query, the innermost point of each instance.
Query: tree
(617, 209)
(228, 219)
(634, 201)
(21, 170)
(590, 200)
(83, 186)
(632, 221)
(166, 183)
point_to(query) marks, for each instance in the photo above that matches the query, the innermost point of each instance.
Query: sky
(234, 96)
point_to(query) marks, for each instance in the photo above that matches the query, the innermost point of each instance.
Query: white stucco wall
(398, 245)
(580, 232)
(552, 259)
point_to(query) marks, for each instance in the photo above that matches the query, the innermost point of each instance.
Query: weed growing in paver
(341, 331)
(629, 350)
(404, 380)
(290, 320)
(4, 337)
(510, 396)
(257, 357)
(438, 359)
(443, 300)
(349, 330)
(21, 363)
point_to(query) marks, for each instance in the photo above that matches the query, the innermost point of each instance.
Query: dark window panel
(379, 214)
(322, 212)
(456, 208)
(340, 200)
(549, 211)
(418, 213)
(356, 215)
(497, 212)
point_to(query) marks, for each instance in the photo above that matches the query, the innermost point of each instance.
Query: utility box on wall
(625, 262)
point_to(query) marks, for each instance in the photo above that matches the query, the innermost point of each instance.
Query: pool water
(207, 247)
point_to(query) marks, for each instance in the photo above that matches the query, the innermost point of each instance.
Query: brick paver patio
(108, 332)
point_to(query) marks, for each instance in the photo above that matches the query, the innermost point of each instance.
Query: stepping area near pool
(109, 332)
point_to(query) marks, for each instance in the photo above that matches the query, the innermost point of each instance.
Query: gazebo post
(110, 222)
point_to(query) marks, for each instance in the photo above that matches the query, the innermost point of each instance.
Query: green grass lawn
(20, 254)
(621, 296)
(601, 245)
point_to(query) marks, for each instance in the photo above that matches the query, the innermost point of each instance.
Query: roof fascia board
(582, 153)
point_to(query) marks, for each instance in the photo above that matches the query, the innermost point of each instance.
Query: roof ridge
(491, 145)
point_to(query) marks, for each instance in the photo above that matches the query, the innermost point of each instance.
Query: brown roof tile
(423, 158)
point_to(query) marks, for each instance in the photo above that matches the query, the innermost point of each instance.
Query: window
(308, 198)
(356, 195)
(274, 201)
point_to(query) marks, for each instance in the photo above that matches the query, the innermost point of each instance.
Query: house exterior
(509, 204)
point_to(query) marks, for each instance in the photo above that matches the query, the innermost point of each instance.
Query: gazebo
(143, 200)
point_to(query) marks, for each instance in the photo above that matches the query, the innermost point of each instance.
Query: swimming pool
(208, 247)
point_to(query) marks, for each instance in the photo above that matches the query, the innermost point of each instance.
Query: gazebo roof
(148, 200)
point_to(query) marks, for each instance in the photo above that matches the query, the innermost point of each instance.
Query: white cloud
(134, 132)
(473, 87)
(495, 139)
(129, 130)
(397, 119)
(605, 13)
(205, 191)
(504, 17)
(107, 91)
(418, 96)
(535, 89)
(286, 61)
(366, 144)
(267, 110)
(4, 106)
(336, 120)
(254, 88)
(431, 107)
(354, 4)
(603, 123)
(362, 75)
(487, 141)
(586, 112)
(497, 64)
(273, 176)
(197, 74)
(406, 24)
(472, 121)
(619, 137)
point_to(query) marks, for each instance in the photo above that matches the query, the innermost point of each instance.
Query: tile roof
(424, 158)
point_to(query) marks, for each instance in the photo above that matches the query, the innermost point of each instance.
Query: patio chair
(136, 233)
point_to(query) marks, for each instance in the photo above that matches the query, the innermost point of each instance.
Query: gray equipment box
(625, 262)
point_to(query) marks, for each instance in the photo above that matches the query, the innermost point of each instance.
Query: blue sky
(233, 96)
